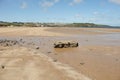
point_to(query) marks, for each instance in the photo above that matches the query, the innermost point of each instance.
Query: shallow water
(46, 43)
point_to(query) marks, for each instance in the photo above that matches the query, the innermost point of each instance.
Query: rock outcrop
(65, 44)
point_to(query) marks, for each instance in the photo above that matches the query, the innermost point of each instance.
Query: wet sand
(98, 54)
(27, 64)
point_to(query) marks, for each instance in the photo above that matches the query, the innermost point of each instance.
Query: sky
(61, 11)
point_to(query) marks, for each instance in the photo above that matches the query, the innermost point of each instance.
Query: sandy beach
(96, 58)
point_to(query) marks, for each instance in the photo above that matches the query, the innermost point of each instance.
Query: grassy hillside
(31, 24)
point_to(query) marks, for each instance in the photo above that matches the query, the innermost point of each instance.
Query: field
(33, 56)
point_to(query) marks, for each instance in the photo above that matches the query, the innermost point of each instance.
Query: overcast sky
(67, 11)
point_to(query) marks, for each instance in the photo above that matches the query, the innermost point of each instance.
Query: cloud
(115, 1)
(93, 19)
(78, 16)
(23, 5)
(74, 2)
(95, 13)
(48, 3)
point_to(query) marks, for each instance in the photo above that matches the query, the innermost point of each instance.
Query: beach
(34, 57)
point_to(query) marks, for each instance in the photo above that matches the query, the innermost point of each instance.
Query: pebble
(2, 67)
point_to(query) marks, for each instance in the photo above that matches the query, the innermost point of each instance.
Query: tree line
(31, 24)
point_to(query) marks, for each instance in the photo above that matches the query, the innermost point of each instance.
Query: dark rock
(6, 43)
(2, 67)
(82, 63)
(55, 60)
(37, 48)
(21, 40)
(65, 44)
(49, 52)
